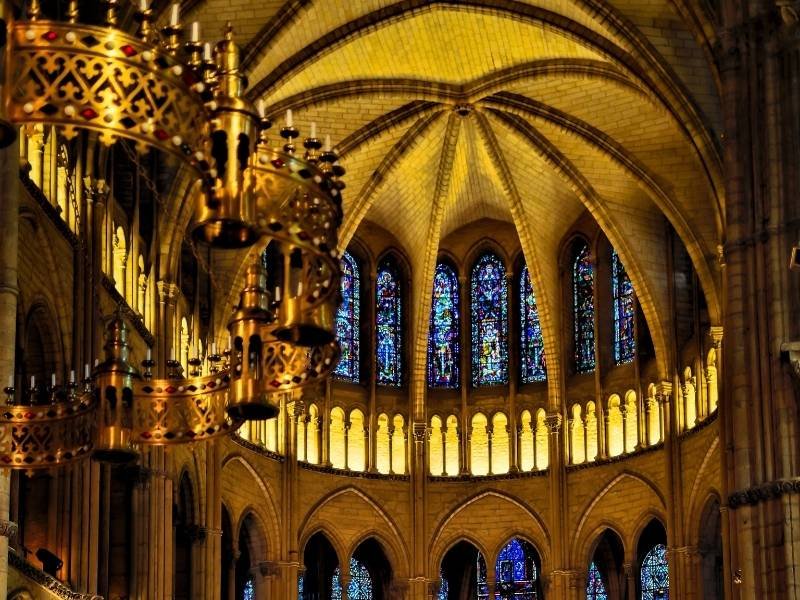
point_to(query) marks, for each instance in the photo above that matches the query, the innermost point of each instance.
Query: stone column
(464, 439)
(9, 291)
(630, 580)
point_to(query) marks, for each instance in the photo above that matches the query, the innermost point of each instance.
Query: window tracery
(624, 313)
(654, 574)
(347, 319)
(443, 336)
(595, 589)
(489, 301)
(532, 361)
(388, 315)
(515, 573)
(583, 310)
(360, 585)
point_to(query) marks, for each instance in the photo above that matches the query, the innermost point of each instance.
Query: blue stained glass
(347, 319)
(583, 310)
(624, 341)
(489, 311)
(443, 346)
(595, 589)
(249, 592)
(300, 586)
(532, 363)
(655, 574)
(389, 325)
(444, 587)
(360, 586)
(515, 573)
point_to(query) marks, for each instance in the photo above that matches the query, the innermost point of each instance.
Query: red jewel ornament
(89, 113)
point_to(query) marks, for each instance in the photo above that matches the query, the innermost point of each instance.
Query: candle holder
(174, 369)
(213, 361)
(145, 20)
(72, 390)
(195, 363)
(172, 33)
(226, 363)
(312, 146)
(9, 392)
(147, 366)
(289, 132)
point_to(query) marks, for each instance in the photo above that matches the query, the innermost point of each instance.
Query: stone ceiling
(530, 112)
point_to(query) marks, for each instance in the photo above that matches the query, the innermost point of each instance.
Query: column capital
(167, 291)
(553, 422)
(96, 189)
(8, 529)
(419, 431)
(663, 391)
(296, 409)
(715, 333)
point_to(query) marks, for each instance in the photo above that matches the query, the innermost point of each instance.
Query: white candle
(230, 342)
(86, 371)
(213, 348)
(96, 362)
(207, 51)
(72, 376)
(195, 32)
(262, 108)
(149, 354)
(327, 146)
(176, 13)
(278, 294)
(53, 380)
(172, 354)
(313, 129)
(289, 120)
(33, 382)
(11, 381)
(143, 5)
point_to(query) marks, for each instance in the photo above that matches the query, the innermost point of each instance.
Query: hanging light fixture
(186, 99)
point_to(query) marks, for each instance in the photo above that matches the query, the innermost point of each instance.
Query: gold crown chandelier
(186, 99)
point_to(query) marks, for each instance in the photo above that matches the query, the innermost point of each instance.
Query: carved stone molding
(8, 529)
(553, 422)
(763, 493)
(664, 392)
(419, 430)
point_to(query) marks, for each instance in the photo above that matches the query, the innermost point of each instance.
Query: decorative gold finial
(34, 10)
(72, 11)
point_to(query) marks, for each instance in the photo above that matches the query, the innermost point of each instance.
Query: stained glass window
(389, 325)
(583, 309)
(360, 586)
(532, 365)
(347, 319)
(655, 574)
(515, 573)
(249, 591)
(624, 342)
(444, 587)
(595, 590)
(443, 347)
(300, 587)
(489, 300)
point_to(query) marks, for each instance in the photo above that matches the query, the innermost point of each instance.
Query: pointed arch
(444, 351)
(389, 323)
(489, 320)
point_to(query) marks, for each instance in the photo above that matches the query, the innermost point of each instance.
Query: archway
(652, 573)
(251, 551)
(321, 561)
(710, 547)
(606, 580)
(184, 537)
(459, 572)
(228, 571)
(371, 556)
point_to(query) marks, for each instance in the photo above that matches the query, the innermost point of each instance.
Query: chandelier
(185, 98)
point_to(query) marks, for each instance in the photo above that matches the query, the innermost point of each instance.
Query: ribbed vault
(448, 112)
